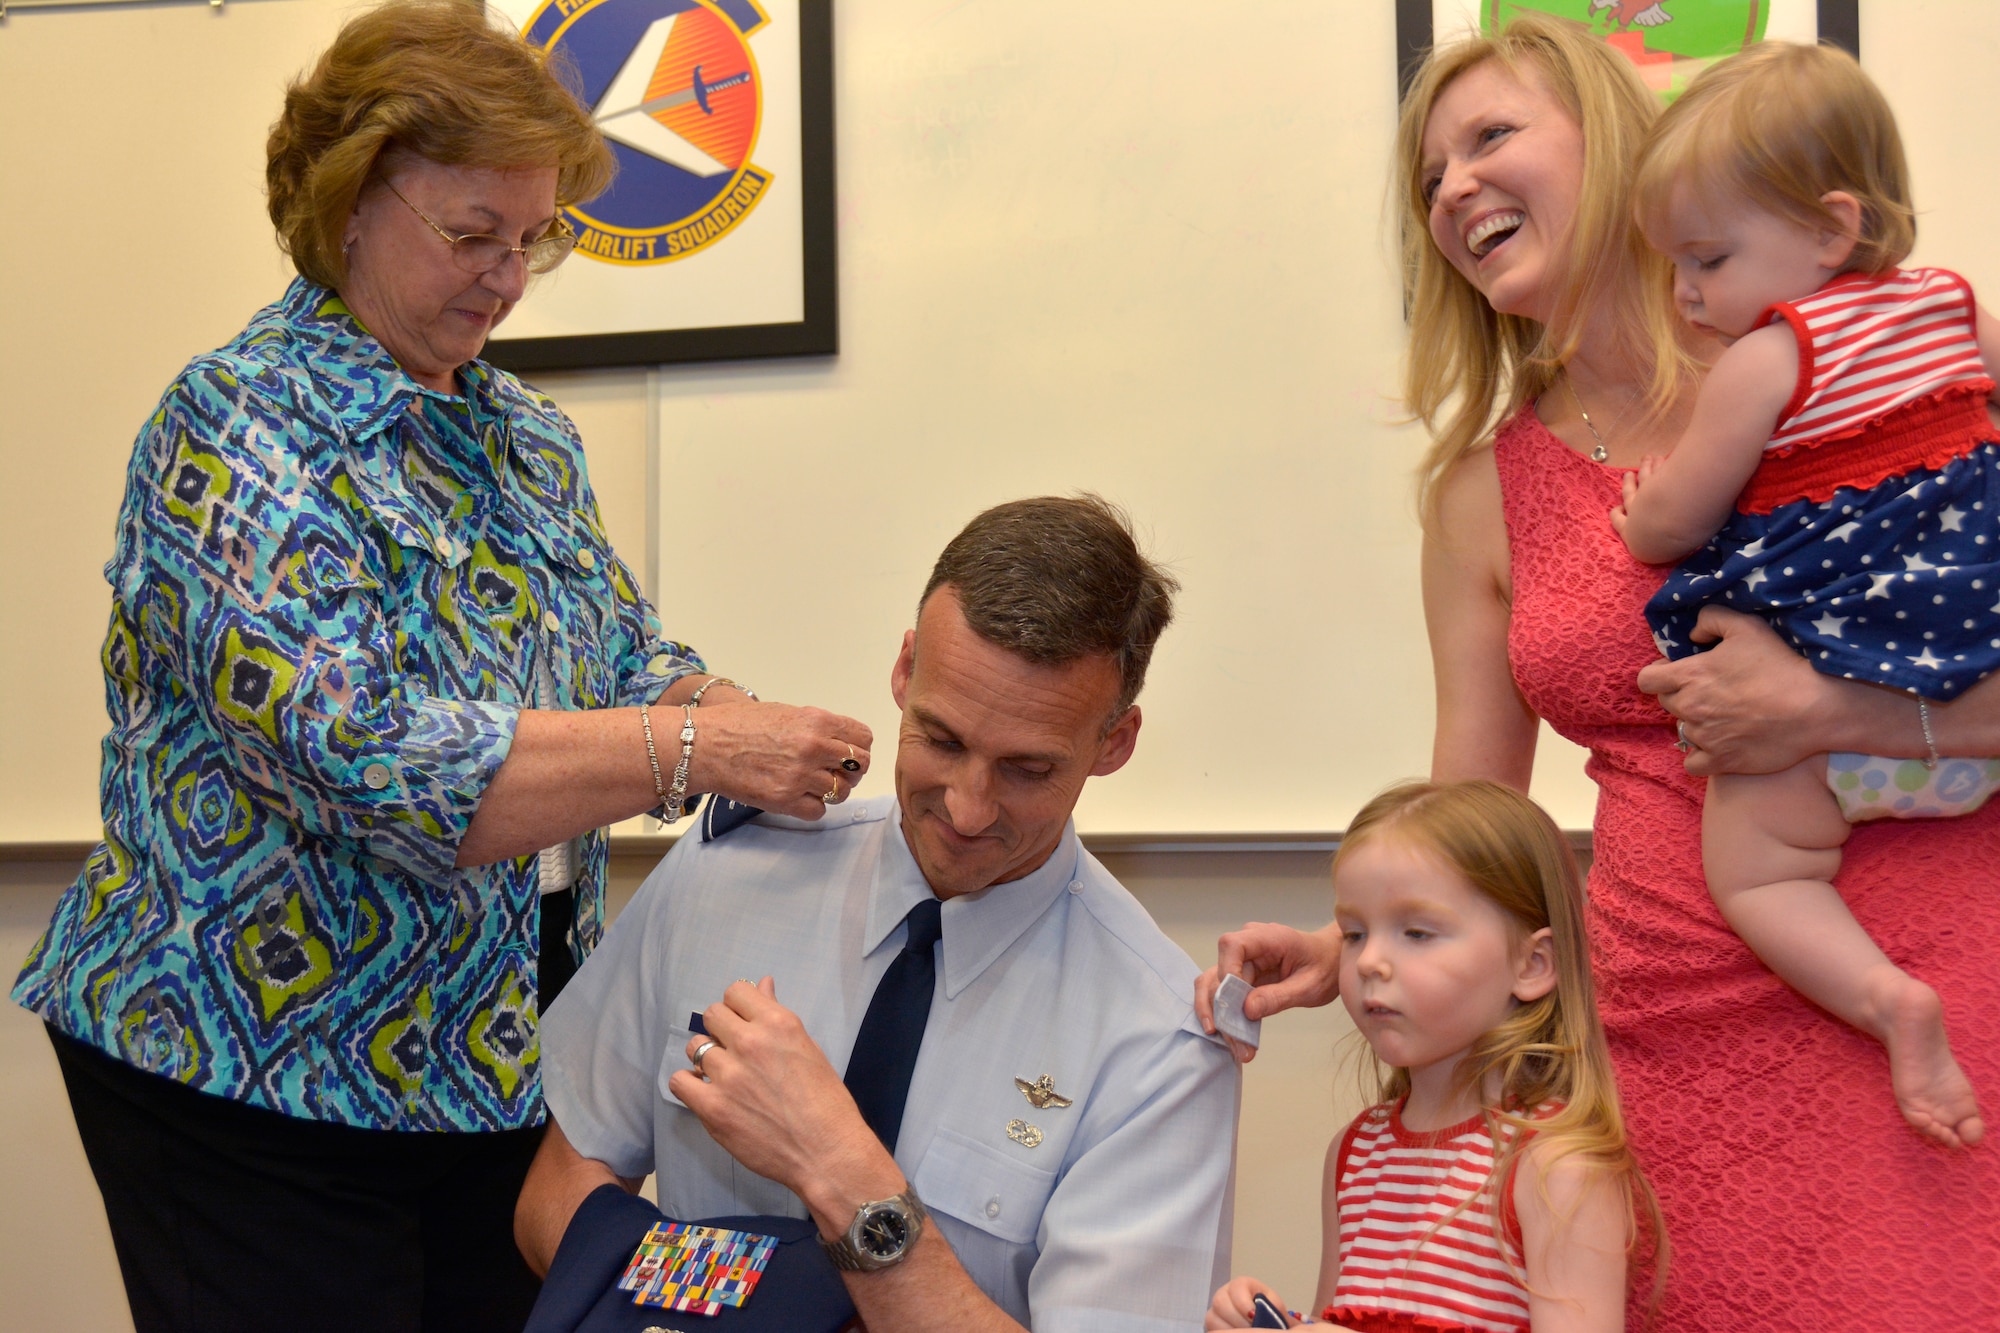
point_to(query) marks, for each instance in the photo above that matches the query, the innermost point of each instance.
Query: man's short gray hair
(1059, 578)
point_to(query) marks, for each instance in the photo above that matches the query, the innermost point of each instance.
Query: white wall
(1124, 248)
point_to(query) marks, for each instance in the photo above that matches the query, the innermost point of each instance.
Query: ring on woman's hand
(701, 1053)
(1681, 741)
(833, 796)
(851, 764)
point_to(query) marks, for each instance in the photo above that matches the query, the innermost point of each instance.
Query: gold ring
(851, 764)
(832, 796)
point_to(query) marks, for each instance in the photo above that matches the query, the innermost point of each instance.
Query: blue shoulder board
(723, 815)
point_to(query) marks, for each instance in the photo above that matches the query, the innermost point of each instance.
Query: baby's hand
(1231, 1307)
(1637, 477)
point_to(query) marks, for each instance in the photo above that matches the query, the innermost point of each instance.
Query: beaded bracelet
(652, 755)
(1930, 740)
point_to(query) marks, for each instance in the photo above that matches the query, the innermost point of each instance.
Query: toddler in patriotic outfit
(1839, 477)
(1492, 1189)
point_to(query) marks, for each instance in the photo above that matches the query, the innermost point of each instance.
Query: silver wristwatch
(881, 1235)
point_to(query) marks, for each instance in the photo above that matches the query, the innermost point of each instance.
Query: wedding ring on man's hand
(851, 764)
(701, 1053)
(1681, 742)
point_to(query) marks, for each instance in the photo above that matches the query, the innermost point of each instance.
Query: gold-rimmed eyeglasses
(482, 252)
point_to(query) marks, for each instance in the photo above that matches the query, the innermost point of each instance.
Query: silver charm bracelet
(702, 689)
(676, 802)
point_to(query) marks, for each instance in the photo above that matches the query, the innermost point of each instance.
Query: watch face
(884, 1232)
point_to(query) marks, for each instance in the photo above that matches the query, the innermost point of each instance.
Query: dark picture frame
(1839, 23)
(816, 334)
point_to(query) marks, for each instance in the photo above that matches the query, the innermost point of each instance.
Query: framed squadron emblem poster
(716, 240)
(1667, 41)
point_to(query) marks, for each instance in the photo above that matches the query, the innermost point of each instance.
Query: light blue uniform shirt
(1117, 1221)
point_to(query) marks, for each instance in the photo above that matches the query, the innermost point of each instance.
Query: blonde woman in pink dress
(1546, 361)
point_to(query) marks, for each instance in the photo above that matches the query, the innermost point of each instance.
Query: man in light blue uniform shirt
(1065, 1153)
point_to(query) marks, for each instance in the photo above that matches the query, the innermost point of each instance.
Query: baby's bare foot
(1932, 1091)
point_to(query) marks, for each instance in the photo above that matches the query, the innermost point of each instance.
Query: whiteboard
(1141, 250)
(1133, 249)
(1136, 247)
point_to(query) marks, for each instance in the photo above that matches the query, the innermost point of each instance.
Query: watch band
(848, 1255)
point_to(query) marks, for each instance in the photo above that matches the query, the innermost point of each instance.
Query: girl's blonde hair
(1779, 126)
(1470, 366)
(1548, 1051)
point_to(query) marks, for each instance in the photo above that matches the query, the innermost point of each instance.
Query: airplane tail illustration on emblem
(625, 113)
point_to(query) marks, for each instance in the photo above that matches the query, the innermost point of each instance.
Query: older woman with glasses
(377, 684)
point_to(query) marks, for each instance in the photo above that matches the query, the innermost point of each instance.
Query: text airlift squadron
(697, 232)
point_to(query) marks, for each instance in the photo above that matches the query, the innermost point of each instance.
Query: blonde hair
(433, 78)
(1778, 126)
(1470, 366)
(1548, 1051)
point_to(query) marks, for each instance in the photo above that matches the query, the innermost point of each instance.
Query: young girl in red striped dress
(1492, 1189)
(1840, 478)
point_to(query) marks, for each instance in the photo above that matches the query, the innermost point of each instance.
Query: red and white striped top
(1402, 1265)
(1870, 343)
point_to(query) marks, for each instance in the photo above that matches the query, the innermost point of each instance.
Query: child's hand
(1637, 477)
(1231, 1307)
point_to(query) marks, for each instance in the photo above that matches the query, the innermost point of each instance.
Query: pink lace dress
(1796, 1198)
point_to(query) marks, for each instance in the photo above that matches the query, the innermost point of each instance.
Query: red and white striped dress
(1889, 369)
(1403, 1266)
(1872, 342)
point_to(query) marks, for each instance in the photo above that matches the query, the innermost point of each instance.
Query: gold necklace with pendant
(1598, 453)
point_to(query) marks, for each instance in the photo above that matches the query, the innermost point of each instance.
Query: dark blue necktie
(892, 1031)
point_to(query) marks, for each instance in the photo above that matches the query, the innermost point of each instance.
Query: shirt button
(551, 621)
(993, 1206)
(445, 548)
(1076, 886)
(376, 776)
(587, 558)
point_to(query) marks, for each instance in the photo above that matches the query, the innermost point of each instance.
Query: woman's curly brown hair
(433, 78)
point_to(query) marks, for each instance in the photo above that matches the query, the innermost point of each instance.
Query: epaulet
(725, 816)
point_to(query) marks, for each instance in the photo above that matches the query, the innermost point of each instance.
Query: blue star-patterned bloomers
(330, 591)
(1898, 585)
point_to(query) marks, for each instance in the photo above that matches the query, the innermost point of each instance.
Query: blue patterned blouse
(329, 592)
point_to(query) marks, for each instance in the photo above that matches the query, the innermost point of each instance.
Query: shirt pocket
(984, 1187)
(439, 630)
(697, 1176)
(579, 621)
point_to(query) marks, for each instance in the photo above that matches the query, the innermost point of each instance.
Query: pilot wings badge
(1042, 1094)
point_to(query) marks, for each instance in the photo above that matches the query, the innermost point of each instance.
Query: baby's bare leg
(1770, 844)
